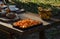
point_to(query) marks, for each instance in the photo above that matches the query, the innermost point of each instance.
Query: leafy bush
(32, 5)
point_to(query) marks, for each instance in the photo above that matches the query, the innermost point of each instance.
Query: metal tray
(31, 27)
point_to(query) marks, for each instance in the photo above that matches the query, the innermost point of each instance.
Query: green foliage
(32, 5)
(52, 2)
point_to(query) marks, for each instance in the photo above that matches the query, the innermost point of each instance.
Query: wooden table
(14, 31)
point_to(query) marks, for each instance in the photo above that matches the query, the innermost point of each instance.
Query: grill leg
(11, 36)
(42, 34)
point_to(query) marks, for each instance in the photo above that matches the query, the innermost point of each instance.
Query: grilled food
(26, 23)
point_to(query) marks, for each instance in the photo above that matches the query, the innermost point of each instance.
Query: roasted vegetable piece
(26, 23)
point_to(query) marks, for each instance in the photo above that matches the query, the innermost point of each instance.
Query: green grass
(32, 5)
(52, 2)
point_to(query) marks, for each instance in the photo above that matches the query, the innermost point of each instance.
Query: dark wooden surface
(9, 28)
